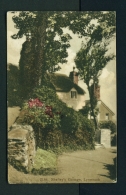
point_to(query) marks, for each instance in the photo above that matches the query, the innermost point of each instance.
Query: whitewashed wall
(75, 103)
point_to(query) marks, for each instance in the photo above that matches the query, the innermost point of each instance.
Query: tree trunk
(92, 107)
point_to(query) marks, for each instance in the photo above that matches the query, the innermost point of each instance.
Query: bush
(49, 139)
(108, 125)
(78, 130)
(85, 110)
(114, 139)
(61, 126)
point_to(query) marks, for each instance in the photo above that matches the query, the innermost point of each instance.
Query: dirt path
(78, 167)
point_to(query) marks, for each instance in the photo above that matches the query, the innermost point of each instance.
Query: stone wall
(21, 146)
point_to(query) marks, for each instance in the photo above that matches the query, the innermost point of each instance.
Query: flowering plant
(35, 103)
(39, 113)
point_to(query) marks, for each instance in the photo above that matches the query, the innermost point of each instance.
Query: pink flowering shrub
(35, 103)
(38, 113)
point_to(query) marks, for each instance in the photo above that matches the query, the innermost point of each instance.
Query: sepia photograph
(61, 97)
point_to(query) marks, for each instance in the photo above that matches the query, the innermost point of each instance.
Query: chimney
(74, 76)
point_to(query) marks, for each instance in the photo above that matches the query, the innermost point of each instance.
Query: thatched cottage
(68, 90)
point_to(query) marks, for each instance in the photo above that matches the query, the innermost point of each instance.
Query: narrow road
(78, 167)
(88, 166)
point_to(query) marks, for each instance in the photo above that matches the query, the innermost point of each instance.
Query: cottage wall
(75, 103)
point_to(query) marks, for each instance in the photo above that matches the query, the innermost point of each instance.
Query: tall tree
(92, 57)
(48, 39)
(90, 60)
(50, 42)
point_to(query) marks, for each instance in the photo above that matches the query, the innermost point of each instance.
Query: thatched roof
(63, 83)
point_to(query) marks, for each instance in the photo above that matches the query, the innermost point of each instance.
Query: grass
(45, 163)
(67, 149)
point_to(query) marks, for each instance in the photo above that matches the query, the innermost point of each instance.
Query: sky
(107, 80)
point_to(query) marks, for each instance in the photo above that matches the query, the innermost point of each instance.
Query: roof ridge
(107, 107)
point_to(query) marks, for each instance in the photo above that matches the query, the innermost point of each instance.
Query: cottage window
(107, 116)
(73, 94)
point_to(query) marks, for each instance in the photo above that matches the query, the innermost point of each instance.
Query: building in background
(104, 112)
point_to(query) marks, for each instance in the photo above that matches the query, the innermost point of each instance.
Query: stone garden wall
(21, 146)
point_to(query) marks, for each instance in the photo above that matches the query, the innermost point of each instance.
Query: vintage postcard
(61, 97)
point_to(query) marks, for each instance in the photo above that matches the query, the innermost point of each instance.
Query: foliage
(71, 147)
(92, 57)
(27, 68)
(90, 60)
(42, 53)
(85, 110)
(48, 44)
(114, 139)
(108, 125)
(45, 163)
(63, 127)
(38, 116)
(13, 87)
(79, 22)
(44, 50)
